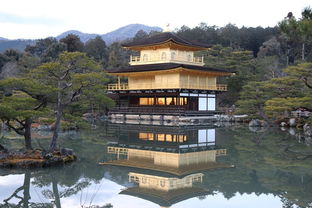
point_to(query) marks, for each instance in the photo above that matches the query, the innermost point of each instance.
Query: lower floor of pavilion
(165, 103)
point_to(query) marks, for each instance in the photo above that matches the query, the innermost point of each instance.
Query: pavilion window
(171, 101)
(146, 101)
(160, 137)
(189, 57)
(168, 138)
(160, 101)
(146, 136)
(183, 100)
(145, 57)
(163, 56)
(173, 55)
(162, 183)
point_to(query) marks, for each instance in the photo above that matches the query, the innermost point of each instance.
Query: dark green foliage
(278, 96)
(229, 36)
(97, 49)
(117, 57)
(3, 60)
(72, 43)
(139, 35)
(46, 49)
(238, 61)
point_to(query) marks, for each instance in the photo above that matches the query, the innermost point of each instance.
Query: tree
(292, 91)
(117, 57)
(140, 35)
(298, 32)
(252, 99)
(70, 76)
(46, 49)
(97, 49)
(21, 102)
(72, 43)
(239, 61)
(305, 28)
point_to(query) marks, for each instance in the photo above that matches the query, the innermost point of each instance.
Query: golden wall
(172, 80)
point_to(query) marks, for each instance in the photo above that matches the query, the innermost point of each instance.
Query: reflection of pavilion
(168, 161)
(165, 191)
(174, 150)
(164, 138)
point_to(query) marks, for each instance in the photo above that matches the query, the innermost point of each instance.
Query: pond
(161, 166)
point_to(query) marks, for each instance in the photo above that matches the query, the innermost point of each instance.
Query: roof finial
(167, 28)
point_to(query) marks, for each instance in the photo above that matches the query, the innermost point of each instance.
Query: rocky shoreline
(34, 158)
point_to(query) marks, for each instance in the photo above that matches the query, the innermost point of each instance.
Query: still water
(161, 166)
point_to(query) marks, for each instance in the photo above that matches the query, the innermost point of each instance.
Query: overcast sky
(44, 18)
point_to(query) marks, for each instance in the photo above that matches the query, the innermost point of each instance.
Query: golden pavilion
(166, 79)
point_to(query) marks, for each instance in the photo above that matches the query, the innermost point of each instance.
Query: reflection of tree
(24, 201)
(55, 195)
(263, 166)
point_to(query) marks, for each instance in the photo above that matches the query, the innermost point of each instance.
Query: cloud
(36, 20)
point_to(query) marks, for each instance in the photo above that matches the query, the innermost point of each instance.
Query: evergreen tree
(69, 77)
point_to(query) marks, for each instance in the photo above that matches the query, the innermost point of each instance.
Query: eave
(174, 70)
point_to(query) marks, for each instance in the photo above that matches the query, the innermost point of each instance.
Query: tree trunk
(263, 115)
(58, 117)
(56, 130)
(26, 186)
(302, 51)
(56, 194)
(27, 135)
(287, 58)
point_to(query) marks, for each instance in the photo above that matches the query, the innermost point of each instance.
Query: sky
(106, 191)
(44, 18)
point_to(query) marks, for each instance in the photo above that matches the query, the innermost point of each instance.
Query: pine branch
(305, 81)
(40, 105)
(17, 130)
(14, 194)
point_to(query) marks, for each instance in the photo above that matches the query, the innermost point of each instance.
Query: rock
(47, 156)
(292, 122)
(254, 123)
(292, 131)
(67, 151)
(283, 124)
(308, 140)
(307, 130)
(283, 129)
(255, 128)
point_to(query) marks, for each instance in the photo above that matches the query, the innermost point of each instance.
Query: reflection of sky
(107, 192)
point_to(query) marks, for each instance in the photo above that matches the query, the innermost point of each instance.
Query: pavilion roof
(162, 38)
(165, 199)
(165, 66)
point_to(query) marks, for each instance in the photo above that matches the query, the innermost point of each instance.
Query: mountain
(19, 44)
(120, 34)
(3, 39)
(84, 37)
(127, 32)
